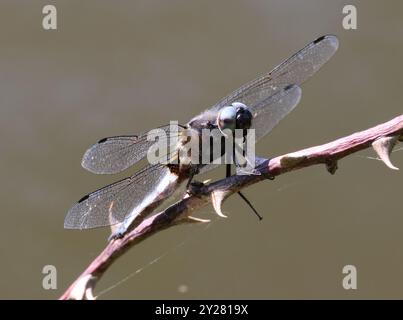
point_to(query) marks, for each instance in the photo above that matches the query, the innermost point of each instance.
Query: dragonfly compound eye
(243, 116)
(226, 119)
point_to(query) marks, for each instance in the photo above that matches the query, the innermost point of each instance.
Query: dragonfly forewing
(293, 71)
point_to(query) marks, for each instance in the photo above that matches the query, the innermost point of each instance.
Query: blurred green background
(123, 67)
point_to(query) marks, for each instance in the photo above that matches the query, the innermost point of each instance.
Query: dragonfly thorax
(235, 116)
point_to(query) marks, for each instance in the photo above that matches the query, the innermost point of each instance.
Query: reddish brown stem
(216, 192)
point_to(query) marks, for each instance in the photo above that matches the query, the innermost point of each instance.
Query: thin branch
(381, 137)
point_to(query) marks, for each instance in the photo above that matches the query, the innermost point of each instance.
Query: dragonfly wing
(115, 154)
(269, 112)
(208, 167)
(114, 203)
(295, 70)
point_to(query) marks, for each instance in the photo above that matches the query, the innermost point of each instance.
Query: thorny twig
(382, 138)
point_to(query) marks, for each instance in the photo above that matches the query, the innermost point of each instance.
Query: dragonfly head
(236, 116)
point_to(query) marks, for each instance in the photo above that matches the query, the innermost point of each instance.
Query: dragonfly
(259, 104)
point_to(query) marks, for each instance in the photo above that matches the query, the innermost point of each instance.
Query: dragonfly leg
(228, 170)
(249, 204)
(193, 187)
(193, 172)
(228, 174)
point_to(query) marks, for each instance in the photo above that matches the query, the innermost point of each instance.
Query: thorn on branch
(195, 219)
(217, 198)
(83, 288)
(383, 146)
